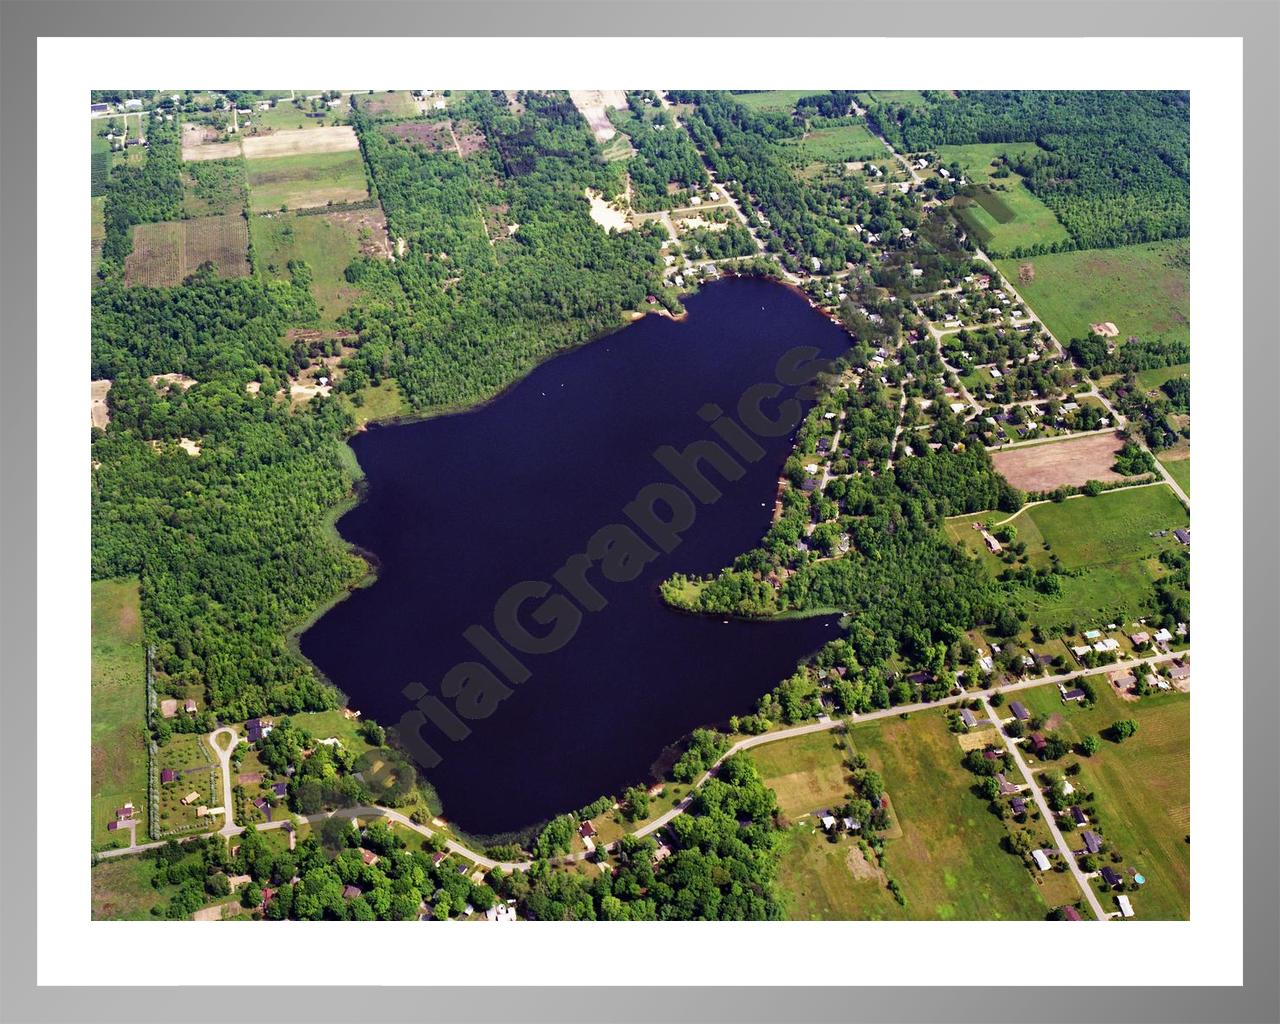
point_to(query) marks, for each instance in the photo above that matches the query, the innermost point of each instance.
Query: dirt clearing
(200, 142)
(1070, 463)
(605, 215)
(339, 138)
(593, 104)
(99, 414)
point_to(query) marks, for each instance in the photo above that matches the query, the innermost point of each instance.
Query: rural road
(1047, 814)
(230, 829)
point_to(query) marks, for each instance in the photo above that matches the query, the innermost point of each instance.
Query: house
(1019, 805)
(1126, 908)
(168, 775)
(99, 108)
(587, 830)
(966, 716)
(112, 826)
(437, 858)
(258, 729)
(1071, 914)
(501, 912)
(825, 819)
(1038, 742)
(1042, 859)
(1006, 787)
(1163, 636)
(235, 881)
(280, 789)
(1019, 711)
(1180, 670)
(1183, 536)
(261, 804)
(370, 858)
(661, 853)
(134, 104)
(1111, 876)
(267, 896)
(1078, 816)
(991, 754)
(189, 706)
(986, 664)
(1092, 841)
(191, 797)
(350, 892)
(1123, 680)
(1139, 638)
(1075, 693)
(920, 677)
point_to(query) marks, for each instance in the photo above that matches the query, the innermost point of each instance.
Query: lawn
(1141, 789)
(323, 724)
(1151, 379)
(807, 773)
(949, 860)
(121, 889)
(1004, 216)
(977, 160)
(327, 244)
(826, 881)
(385, 402)
(117, 709)
(845, 143)
(1179, 466)
(1144, 290)
(97, 232)
(284, 116)
(307, 180)
(1104, 543)
(902, 97)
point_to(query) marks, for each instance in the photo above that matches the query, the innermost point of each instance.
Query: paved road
(1047, 815)
(229, 827)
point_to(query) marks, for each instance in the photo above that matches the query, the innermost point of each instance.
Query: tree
(1090, 745)
(1123, 729)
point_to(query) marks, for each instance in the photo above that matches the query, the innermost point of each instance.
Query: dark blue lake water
(461, 508)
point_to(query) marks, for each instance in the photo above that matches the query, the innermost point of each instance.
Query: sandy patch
(165, 381)
(1071, 463)
(189, 446)
(200, 142)
(977, 738)
(862, 869)
(99, 414)
(605, 215)
(253, 387)
(297, 141)
(593, 104)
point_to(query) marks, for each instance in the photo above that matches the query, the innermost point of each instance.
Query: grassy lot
(1107, 539)
(97, 231)
(326, 244)
(807, 773)
(1142, 289)
(213, 187)
(188, 754)
(1005, 215)
(385, 402)
(311, 179)
(903, 97)
(1162, 374)
(846, 143)
(121, 890)
(949, 860)
(323, 724)
(1141, 789)
(774, 100)
(977, 160)
(117, 709)
(390, 105)
(826, 881)
(284, 116)
(1179, 467)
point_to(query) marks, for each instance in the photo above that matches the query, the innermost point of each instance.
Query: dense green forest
(142, 193)
(461, 315)
(1114, 166)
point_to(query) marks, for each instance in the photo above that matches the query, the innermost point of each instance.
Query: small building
(191, 797)
(1092, 841)
(168, 775)
(1163, 636)
(1042, 859)
(1183, 536)
(280, 789)
(189, 706)
(1139, 638)
(370, 858)
(587, 830)
(825, 819)
(112, 826)
(350, 892)
(1126, 908)
(1038, 742)
(1074, 694)
(1078, 815)
(966, 716)
(1019, 805)
(1111, 876)
(1019, 711)
(1180, 670)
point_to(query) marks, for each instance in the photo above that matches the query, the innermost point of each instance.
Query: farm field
(1141, 789)
(1007, 216)
(394, 104)
(308, 180)
(949, 861)
(166, 253)
(1107, 538)
(300, 142)
(807, 773)
(328, 243)
(1145, 290)
(117, 709)
(846, 143)
(773, 100)
(213, 187)
(903, 97)
(97, 231)
(1070, 463)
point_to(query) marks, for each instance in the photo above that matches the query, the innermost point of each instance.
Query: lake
(461, 508)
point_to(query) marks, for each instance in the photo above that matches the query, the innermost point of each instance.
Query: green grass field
(1107, 538)
(385, 402)
(783, 100)
(977, 159)
(949, 860)
(122, 891)
(328, 246)
(807, 773)
(1162, 374)
(1141, 789)
(1142, 289)
(826, 881)
(845, 143)
(903, 97)
(313, 179)
(213, 187)
(284, 116)
(1005, 216)
(117, 709)
(1179, 468)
